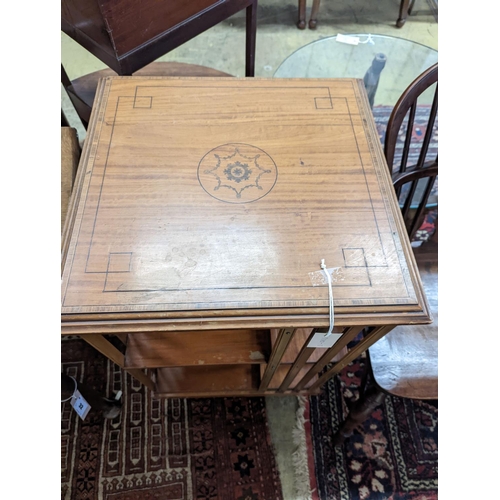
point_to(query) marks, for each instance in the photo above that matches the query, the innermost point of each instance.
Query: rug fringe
(299, 456)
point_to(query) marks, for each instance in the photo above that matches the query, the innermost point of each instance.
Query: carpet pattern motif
(381, 116)
(392, 456)
(175, 449)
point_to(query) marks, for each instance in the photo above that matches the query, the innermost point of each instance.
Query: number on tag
(80, 405)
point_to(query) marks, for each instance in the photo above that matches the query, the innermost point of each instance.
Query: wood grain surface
(161, 349)
(209, 202)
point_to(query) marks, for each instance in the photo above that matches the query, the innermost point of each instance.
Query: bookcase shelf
(194, 348)
(209, 381)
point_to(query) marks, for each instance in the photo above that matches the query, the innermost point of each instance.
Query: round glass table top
(332, 58)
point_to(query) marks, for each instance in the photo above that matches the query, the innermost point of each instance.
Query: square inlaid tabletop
(220, 196)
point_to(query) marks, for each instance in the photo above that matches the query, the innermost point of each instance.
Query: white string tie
(330, 296)
(369, 40)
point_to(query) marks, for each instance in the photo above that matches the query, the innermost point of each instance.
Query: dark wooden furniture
(405, 9)
(200, 215)
(405, 362)
(128, 35)
(418, 178)
(82, 90)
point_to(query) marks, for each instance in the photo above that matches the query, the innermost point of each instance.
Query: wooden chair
(413, 182)
(404, 363)
(128, 36)
(405, 9)
(82, 90)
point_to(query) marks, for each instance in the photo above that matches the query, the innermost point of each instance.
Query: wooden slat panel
(299, 363)
(371, 338)
(330, 354)
(296, 344)
(284, 337)
(162, 349)
(281, 373)
(207, 379)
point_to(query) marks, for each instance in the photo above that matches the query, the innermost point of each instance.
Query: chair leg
(251, 34)
(410, 8)
(313, 21)
(301, 23)
(403, 13)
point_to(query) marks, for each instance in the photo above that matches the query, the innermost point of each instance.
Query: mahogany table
(201, 212)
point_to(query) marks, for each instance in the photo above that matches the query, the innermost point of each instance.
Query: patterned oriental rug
(175, 449)
(381, 116)
(392, 456)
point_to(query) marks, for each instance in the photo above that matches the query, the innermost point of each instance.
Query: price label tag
(319, 340)
(351, 40)
(80, 405)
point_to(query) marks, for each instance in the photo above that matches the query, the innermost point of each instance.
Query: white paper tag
(80, 405)
(351, 40)
(319, 339)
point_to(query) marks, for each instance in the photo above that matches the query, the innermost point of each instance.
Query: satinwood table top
(211, 202)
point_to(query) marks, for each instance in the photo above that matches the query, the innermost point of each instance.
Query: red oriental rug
(159, 449)
(392, 456)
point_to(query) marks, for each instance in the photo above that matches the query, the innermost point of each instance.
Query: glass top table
(400, 61)
(331, 58)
